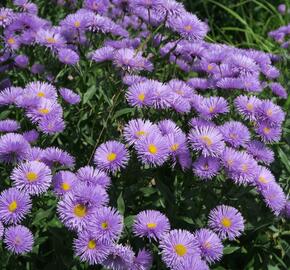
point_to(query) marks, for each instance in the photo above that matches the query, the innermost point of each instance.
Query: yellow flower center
(209, 67)
(2, 17)
(233, 135)
(12, 206)
(141, 97)
(205, 166)
(230, 162)
(179, 92)
(244, 168)
(226, 222)
(111, 156)
(207, 140)
(50, 40)
(44, 111)
(207, 245)
(269, 112)
(188, 28)
(31, 176)
(250, 106)
(152, 149)
(140, 133)
(80, 210)
(77, 24)
(105, 225)
(263, 180)
(11, 41)
(211, 109)
(174, 147)
(180, 250)
(247, 84)
(65, 186)
(266, 130)
(151, 225)
(92, 244)
(41, 94)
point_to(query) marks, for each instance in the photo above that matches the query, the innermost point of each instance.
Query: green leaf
(230, 250)
(121, 204)
(123, 112)
(284, 159)
(89, 94)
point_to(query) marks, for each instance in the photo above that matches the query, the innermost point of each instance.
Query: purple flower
(51, 124)
(212, 106)
(193, 263)
(75, 22)
(226, 221)
(269, 112)
(14, 206)
(282, 8)
(120, 257)
(18, 239)
(206, 167)
(6, 16)
(37, 68)
(235, 133)
(210, 245)
(208, 140)
(68, 56)
(41, 90)
(8, 95)
(278, 89)
(111, 156)
(247, 106)
(69, 96)
(63, 182)
(267, 132)
(143, 260)
(263, 178)
(31, 136)
(168, 8)
(92, 176)
(33, 177)
(9, 125)
(91, 249)
(13, 148)
(260, 152)
(103, 54)
(140, 94)
(177, 246)
(99, 6)
(151, 224)
(50, 38)
(21, 61)
(54, 155)
(152, 150)
(167, 127)
(106, 224)
(200, 122)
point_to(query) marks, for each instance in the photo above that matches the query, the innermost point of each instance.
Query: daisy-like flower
(167, 127)
(271, 113)
(111, 156)
(140, 94)
(138, 128)
(55, 156)
(6, 16)
(63, 182)
(210, 245)
(68, 56)
(103, 54)
(143, 260)
(152, 150)
(50, 38)
(51, 124)
(177, 246)
(226, 221)
(75, 22)
(212, 106)
(69, 96)
(168, 8)
(91, 249)
(206, 167)
(193, 263)
(208, 140)
(99, 6)
(35, 154)
(14, 206)
(32, 176)
(151, 224)
(120, 257)
(161, 98)
(274, 197)
(247, 106)
(199, 122)
(235, 133)
(31, 136)
(180, 88)
(92, 176)
(177, 143)
(263, 178)
(106, 224)
(260, 152)
(267, 132)
(13, 148)
(9, 95)
(18, 239)
(9, 125)
(21, 61)
(278, 90)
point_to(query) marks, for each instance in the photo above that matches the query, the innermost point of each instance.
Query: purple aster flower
(92, 176)
(128, 59)
(91, 249)
(76, 22)
(51, 124)
(69, 96)
(8, 95)
(267, 132)
(200, 122)
(18, 239)
(103, 54)
(138, 128)
(247, 106)
(226, 221)
(140, 94)
(143, 260)
(13, 148)
(278, 89)
(120, 258)
(177, 246)
(177, 143)
(6, 16)
(21, 61)
(12, 42)
(50, 38)
(167, 127)
(63, 182)
(210, 245)
(68, 56)
(37, 68)
(41, 90)
(106, 224)
(206, 167)
(263, 178)
(208, 140)
(270, 112)
(151, 224)
(54, 155)
(282, 8)
(14, 206)
(212, 106)
(133, 79)
(9, 125)
(35, 154)
(161, 98)
(184, 160)
(31, 136)
(33, 177)
(260, 152)
(193, 263)
(111, 156)
(274, 197)
(235, 133)
(153, 149)
(198, 83)
(180, 88)
(75, 213)
(170, 8)
(99, 6)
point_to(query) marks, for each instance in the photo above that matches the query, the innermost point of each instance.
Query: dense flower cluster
(229, 131)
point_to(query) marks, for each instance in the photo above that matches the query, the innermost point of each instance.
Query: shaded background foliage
(183, 198)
